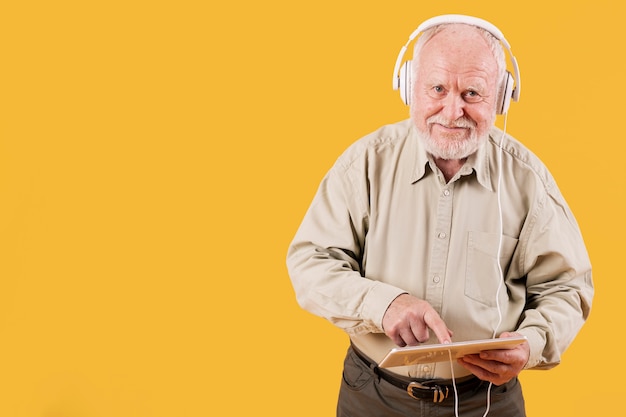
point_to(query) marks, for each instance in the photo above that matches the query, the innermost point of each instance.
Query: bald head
(460, 35)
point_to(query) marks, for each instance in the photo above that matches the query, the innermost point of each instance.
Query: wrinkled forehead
(458, 48)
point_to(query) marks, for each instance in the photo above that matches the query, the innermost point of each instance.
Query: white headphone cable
(456, 394)
(500, 232)
(500, 227)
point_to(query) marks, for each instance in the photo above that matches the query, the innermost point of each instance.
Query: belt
(435, 389)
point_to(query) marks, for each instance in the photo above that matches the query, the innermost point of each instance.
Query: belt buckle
(438, 393)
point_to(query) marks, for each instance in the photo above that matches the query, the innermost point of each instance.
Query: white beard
(451, 148)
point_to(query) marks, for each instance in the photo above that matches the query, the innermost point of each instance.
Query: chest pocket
(481, 274)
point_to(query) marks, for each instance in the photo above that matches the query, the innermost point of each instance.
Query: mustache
(462, 122)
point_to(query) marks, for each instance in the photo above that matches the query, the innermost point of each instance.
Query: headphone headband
(457, 18)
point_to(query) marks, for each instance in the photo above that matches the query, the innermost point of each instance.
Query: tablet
(412, 355)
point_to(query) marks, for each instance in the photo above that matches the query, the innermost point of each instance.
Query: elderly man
(438, 229)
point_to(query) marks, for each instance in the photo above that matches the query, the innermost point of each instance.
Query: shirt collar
(478, 162)
(421, 158)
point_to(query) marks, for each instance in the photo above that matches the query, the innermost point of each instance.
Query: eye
(472, 96)
(436, 91)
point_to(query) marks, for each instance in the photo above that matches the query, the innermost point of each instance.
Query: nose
(453, 107)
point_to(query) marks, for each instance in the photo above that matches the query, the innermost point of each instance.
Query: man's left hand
(500, 365)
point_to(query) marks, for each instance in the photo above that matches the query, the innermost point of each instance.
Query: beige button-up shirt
(385, 222)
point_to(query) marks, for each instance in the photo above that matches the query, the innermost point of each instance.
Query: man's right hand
(408, 319)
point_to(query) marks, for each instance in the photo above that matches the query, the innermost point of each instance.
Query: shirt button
(436, 279)
(446, 192)
(441, 235)
(426, 369)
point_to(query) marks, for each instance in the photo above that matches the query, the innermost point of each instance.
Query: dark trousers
(364, 394)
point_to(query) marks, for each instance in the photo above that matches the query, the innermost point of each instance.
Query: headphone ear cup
(506, 91)
(404, 82)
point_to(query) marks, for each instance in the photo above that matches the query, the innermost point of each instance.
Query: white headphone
(402, 73)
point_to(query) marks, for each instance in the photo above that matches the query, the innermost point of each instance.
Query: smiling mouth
(451, 127)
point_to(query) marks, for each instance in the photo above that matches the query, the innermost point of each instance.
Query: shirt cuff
(537, 344)
(377, 301)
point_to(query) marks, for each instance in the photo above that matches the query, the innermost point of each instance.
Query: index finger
(438, 326)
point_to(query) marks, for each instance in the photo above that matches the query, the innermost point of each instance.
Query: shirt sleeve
(325, 262)
(559, 284)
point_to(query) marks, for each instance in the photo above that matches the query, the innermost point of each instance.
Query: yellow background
(156, 158)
